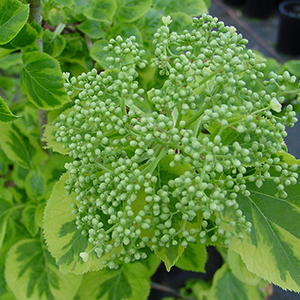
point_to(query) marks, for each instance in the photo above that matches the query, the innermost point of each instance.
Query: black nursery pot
(288, 40)
(258, 8)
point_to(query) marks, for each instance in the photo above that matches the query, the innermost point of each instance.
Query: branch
(164, 288)
(35, 15)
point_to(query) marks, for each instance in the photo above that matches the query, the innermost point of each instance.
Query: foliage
(165, 136)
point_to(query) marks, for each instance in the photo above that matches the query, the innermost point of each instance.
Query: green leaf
(94, 29)
(26, 36)
(196, 288)
(129, 282)
(227, 287)
(100, 10)
(189, 7)
(99, 55)
(193, 258)
(64, 241)
(180, 22)
(39, 213)
(31, 274)
(293, 66)
(53, 43)
(169, 255)
(240, 270)
(28, 219)
(35, 184)
(11, 60)
(131, 10)
(5, 207)
(5, 114)
(64, 2)
(271, 250)
(42, 81)
(49, 137)
(126, 31)
(20, 147)
(14, 15)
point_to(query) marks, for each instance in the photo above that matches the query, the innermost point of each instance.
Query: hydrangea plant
(196, 160)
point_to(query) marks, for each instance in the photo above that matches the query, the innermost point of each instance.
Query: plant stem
(35, 15)
(164, 288)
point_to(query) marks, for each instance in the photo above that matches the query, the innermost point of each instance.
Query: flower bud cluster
(154, 177)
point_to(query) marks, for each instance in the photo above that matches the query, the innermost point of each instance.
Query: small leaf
(99, 55)
(42, 81)
(28, 219)
(5, 207)
(193, 258)
(169, 255)
(100, 10)
(181, 22)
(31, 274)
(189, 7)
(53, 44)
(94, 29)
(5, 114)
(227, 287)
(131, 10)
(39, 213)
(125, 31)
(35, 184)
(64, 2)
(20, 147)
(14, 15)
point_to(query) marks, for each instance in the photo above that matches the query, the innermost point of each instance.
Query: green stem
(160, 153)
(197, 115)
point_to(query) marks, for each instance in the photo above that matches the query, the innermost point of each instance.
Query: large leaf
(129, 282)
(131, 10)
(193, 258)
(65, 242)
(100, 10)
(42, 81)
(227, 287)
(31, 274)
(27, 36)
(239, 268)
(5, 114)
(272, 250)
(20, 147)
(14, 15)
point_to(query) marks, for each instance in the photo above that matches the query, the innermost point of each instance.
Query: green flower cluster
(166, 168)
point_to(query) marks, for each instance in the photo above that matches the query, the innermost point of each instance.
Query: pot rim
(285, 12)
